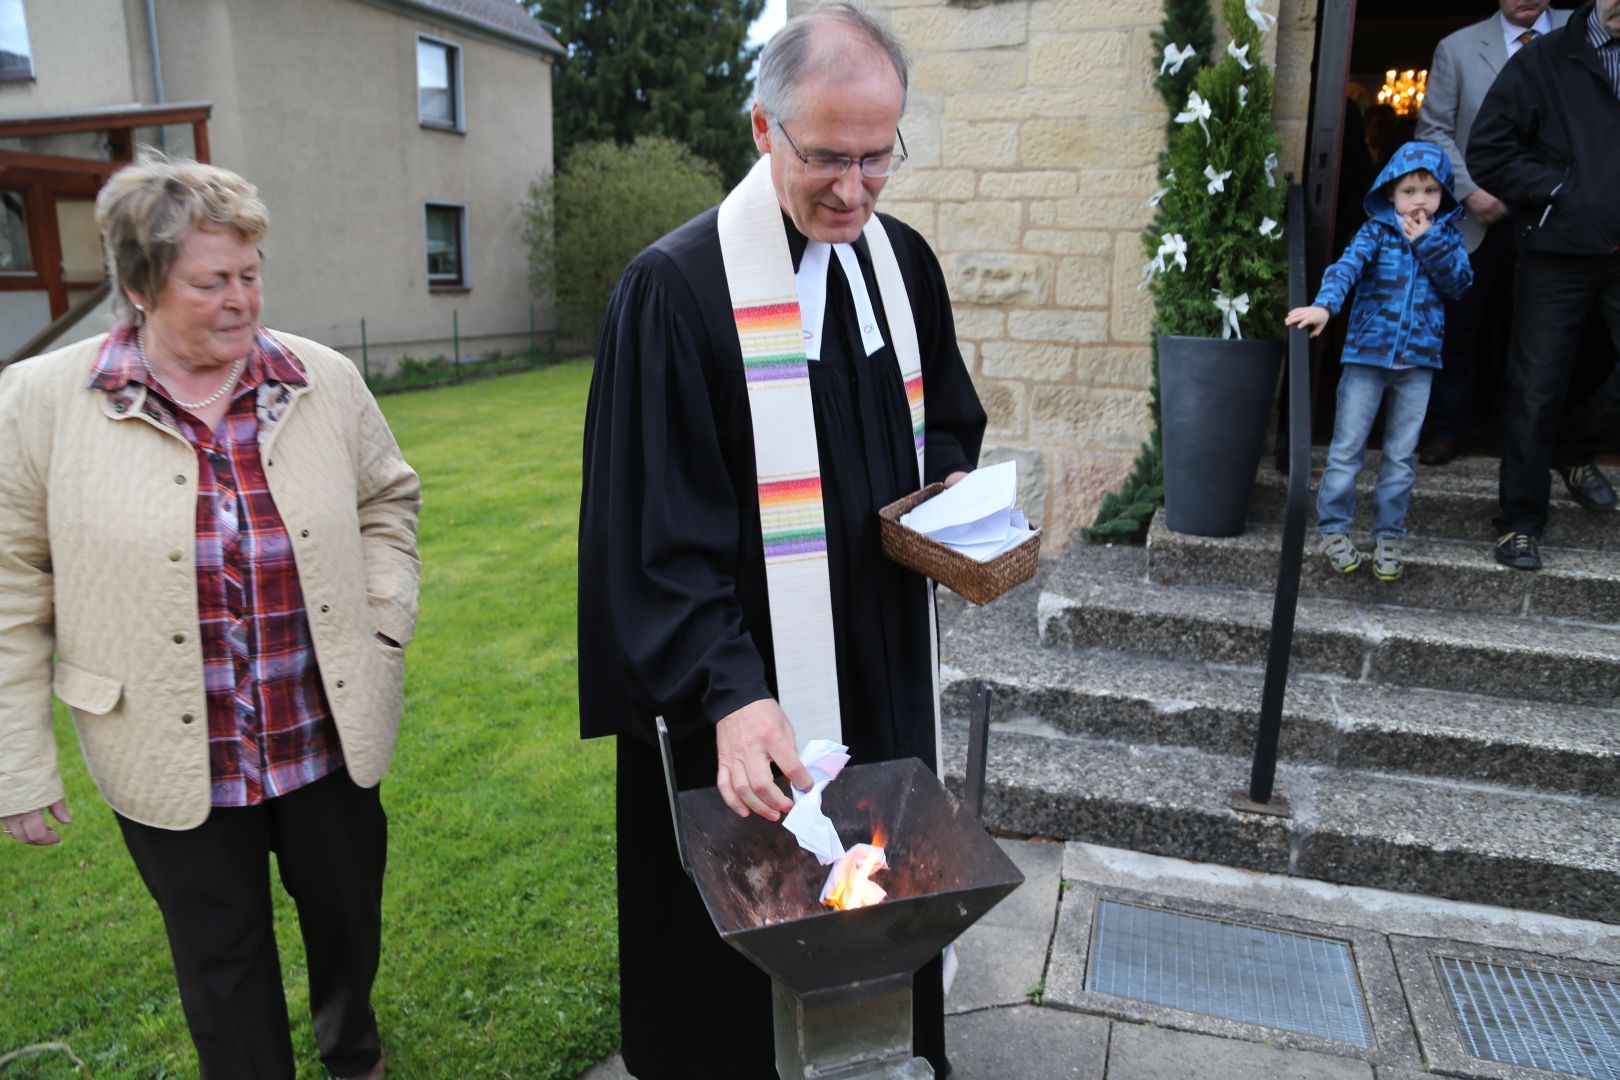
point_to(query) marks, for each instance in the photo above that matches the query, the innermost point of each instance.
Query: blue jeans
(1361, 389)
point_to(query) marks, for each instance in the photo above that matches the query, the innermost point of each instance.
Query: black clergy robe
(673, 614)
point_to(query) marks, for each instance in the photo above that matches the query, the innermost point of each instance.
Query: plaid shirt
(270, 729)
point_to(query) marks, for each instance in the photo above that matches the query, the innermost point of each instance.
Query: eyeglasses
(832, 166)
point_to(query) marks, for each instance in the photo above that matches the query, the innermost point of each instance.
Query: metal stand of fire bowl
(842, 979)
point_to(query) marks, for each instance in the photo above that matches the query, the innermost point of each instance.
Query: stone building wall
(1034, 130)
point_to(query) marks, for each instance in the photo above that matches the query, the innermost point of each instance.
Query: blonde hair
(148, 208)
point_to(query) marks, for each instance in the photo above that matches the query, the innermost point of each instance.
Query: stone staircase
(1456, 733)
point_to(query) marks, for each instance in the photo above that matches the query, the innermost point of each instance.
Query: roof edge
(550, 47)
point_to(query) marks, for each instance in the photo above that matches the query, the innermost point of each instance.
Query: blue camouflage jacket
(1401, 285)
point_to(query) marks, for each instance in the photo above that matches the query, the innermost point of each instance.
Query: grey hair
(792, 55)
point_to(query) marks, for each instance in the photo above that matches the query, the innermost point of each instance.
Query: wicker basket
(979, 582)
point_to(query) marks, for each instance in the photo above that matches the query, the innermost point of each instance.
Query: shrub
(606, 202)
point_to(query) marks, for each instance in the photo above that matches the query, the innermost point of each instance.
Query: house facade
(392, 140)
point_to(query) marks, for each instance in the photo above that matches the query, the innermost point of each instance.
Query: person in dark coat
(680, 615)
(1545, 141)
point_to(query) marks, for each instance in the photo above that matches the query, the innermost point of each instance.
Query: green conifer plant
(1217, 266)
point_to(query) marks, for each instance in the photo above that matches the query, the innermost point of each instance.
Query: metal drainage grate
(1521, 1016)
(1269, 977)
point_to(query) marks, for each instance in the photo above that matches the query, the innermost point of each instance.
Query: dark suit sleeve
(1502, 145)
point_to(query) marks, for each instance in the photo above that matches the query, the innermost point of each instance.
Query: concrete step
(1499, 846)
(1101, 598)
(1156, 702)
(1446, 574)
(1448, 501)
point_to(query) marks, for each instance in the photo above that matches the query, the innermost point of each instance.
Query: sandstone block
(1076, 482)
(923, 126)
(1128, 141)
(936, 29)
(980, 226)
(1059, 326)
(980, 144)
(1042, 361)
(1027, 104)
(1083, 282)
(1025, 185)
(978, 324)
(919, 215)
(980, 69)
(913, 184)
(1085, 14)
(1088, 417)
(1143, 181)
(979, 277)
(1068, 60)
(1133, 307)
(1068, 242)
(1113, 212)
(1128, 367)
(1004, 405)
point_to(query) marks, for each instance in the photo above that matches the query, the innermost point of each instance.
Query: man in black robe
(674, 616)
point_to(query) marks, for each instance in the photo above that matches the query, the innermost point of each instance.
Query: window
(16, 58)
(446, 246)
(14, 253)
(438, 84)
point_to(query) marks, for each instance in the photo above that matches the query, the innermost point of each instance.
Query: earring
(140, 309)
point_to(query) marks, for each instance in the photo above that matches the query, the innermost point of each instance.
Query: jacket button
(340, 684)
(303, 533)
(179, 639)
(325, 608)
(185, 718)
(180, 478)
(175, 556)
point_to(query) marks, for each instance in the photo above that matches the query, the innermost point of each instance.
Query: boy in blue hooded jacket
(1403, 263)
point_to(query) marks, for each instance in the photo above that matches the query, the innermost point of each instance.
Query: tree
(678, 68)
(607, 202)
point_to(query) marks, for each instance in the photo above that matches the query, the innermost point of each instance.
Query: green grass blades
(499, 946)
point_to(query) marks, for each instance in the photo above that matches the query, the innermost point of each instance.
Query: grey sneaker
(1387, 565)
(1341, 554)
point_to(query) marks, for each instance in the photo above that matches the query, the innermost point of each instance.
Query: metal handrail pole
(1262, 775)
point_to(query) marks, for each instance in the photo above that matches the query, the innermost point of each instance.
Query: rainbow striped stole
(765, 305)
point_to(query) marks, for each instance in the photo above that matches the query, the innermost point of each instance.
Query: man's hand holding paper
(747, 741)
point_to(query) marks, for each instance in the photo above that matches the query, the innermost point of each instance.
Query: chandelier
(1403, 90)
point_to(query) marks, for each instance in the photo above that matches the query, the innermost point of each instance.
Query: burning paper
(850, 884)
(824, 759)
(975, 517)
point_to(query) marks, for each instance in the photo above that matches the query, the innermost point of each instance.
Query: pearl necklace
(193, 406)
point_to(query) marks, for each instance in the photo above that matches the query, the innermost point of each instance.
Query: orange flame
(849, 885)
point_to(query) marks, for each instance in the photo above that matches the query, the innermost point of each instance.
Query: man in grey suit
(1465, 65)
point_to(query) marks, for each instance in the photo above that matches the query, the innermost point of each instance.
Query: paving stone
(1026, 1043)
(1137, 1052)
(1003, 955)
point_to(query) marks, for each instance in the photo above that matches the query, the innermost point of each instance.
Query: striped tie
(1526, 38)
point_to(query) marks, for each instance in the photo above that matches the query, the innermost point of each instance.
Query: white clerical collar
(812, 282)
(1511, 31)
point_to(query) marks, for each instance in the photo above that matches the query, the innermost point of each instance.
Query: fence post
(365, 356)
(455, 331)
(532, 347)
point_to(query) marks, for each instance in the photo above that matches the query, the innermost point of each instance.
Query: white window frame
(457, 79)
(464, 283)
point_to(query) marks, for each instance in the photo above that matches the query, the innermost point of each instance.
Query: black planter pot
(1215, 399)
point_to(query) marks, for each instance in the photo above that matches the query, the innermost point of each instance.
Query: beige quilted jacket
(97, 546)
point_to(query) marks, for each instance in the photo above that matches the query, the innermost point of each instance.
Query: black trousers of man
(212, 884)
(1451, 399)
(1555, 295)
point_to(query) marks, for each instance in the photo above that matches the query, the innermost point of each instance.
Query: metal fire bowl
(763, 891)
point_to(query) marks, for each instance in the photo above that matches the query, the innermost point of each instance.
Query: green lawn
(499, 950)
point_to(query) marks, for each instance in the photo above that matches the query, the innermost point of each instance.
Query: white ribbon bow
(1197, 109)
(1231, 308)
(1174, 58)
(1269, 228)
(1271, 166)
(1172, 245)
(1158, 196)
(1243, 96)
(1263, 20)
(1240, 55)
(1217, 181)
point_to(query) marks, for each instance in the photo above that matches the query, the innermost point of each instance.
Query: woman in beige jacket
(211, 529)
